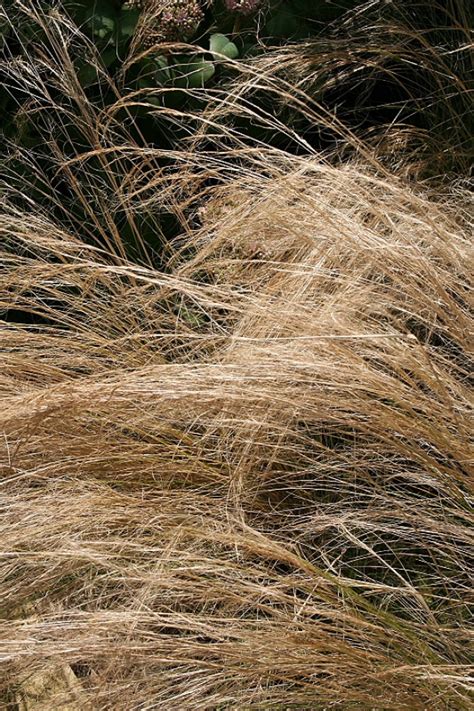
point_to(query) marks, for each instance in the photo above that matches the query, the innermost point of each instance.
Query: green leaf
(220, 45)
(154, 72)
(201, 72)
(230, 51)
(194, 73)
(103, 18)
(128, 21)
(208, 70)
(217, 42)
(103, 26)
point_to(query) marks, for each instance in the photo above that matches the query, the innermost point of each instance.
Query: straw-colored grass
(244, 483)
(242, 479)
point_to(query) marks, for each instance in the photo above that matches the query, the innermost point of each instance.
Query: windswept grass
(241, 479)
(245, 483)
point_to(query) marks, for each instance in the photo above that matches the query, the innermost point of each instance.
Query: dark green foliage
(112, 24)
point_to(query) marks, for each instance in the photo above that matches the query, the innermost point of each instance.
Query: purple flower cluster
(168, 20)
(179, 19)
(244, 7)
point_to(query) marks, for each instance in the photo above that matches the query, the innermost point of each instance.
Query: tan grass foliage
(244, 483)
(242, 480)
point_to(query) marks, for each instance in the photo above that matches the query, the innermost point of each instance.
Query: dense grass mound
(245, 482)
(236, 449)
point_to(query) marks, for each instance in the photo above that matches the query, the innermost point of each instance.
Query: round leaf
(217, 42)
(202, 71)
(230, 51)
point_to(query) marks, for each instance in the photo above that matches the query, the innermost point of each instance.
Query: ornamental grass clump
(245, 481)
(237, 475)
